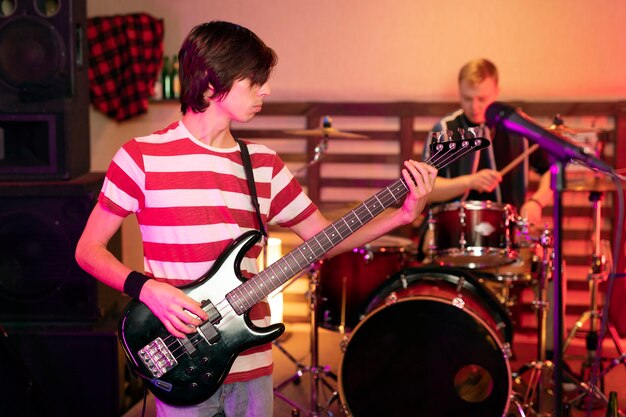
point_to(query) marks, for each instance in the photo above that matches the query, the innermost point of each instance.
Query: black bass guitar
(186, 371)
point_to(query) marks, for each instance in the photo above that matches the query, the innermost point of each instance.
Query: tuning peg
(438, 136)
(472, 133)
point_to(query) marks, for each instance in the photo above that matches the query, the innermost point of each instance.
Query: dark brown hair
(219, 53)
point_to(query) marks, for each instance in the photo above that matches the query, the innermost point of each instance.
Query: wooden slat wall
(410, 123)
(408, 139)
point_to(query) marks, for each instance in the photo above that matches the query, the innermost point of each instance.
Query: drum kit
(435, 337)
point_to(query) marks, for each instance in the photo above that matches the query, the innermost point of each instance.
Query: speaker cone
(35, 257)
(32, 56)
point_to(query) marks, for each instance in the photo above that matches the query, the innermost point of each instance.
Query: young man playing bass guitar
(187, 186)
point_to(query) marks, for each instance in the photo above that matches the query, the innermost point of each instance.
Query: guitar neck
(278, 273)
(260, 286)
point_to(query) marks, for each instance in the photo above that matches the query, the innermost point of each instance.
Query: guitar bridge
(157, 357)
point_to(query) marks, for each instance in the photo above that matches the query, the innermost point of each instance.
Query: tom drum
(472, 234)
(348, 279)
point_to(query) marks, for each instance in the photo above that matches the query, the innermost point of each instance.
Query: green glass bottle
(166, 78)
(612, 410)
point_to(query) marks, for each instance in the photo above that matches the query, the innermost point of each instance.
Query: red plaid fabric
(125, 56)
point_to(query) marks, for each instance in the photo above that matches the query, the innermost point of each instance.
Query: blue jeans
(253, 398)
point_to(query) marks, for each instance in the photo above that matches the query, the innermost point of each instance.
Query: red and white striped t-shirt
(191, 201)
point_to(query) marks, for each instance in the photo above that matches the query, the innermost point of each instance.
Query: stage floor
(296, 343)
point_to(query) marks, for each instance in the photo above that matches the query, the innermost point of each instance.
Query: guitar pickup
(214, 315)
(209, 332)
(207, 329)
(188, 345)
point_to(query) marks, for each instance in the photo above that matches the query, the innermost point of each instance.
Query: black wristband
(134, 283)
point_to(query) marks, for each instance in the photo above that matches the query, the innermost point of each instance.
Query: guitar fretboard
(275, 275)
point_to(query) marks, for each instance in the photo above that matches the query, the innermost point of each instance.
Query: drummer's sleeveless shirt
(504, 148)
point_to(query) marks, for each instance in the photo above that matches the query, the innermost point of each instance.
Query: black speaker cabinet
(64, 373)
(44, 90)
(40, 224)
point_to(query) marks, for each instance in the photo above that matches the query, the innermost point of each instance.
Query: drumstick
(519, 159)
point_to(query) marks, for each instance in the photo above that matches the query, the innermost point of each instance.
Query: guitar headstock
(448, 146)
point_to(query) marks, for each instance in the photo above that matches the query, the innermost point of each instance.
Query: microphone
(558, 146)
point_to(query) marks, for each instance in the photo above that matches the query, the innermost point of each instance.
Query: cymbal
(591, 183)
(326, 132)
(559, 126)
(566, 130)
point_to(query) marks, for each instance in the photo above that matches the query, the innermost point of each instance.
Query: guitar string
(195, 339)
(226, 316)
(230, 313)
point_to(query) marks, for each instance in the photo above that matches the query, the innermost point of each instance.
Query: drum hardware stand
(325, 133)
(535, 399)
(319, 373)
(320, 151)
(541, 367)
(597, 272)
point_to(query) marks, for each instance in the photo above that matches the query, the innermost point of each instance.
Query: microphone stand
(557, 184)
(557, 172)
(561, 151)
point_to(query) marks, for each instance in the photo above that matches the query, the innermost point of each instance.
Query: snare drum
(348, 279)
(523, 269)
(508, 282)
(472, 234)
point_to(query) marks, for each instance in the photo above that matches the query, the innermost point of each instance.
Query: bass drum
(433, 342)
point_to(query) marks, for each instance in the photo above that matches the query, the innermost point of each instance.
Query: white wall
(412, 49)
(360, 50)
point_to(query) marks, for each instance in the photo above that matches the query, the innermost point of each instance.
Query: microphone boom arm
(559, 147)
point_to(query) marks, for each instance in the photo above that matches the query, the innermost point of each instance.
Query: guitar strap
(247, 166)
